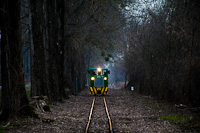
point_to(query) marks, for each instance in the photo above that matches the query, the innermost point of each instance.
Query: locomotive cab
(99, 81)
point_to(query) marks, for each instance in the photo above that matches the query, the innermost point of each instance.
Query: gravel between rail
(134, 116)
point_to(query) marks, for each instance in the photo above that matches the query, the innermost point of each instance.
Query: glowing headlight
(105, 78)
(99, 69)
(92, 78)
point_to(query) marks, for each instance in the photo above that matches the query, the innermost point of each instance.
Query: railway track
(106, 111)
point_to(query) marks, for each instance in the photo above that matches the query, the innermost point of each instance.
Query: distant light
(99, 69)
(105, 78)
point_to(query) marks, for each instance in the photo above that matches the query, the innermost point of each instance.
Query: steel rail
(109, 120)
(90, 116)
(89, 119)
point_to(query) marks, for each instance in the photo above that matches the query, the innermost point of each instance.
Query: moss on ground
(185, 122)
(7, 128)
(189, 122)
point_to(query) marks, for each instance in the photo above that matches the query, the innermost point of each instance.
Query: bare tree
(38, 79)
(14, 100)
(164, 53)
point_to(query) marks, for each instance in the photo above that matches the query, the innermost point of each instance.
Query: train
(98, 81)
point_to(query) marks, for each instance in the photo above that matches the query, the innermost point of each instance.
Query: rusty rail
(109, 120)
(90, 116)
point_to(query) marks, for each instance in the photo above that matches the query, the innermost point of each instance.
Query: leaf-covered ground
(135, 115)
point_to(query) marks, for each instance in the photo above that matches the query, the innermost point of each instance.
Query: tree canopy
(153, 43)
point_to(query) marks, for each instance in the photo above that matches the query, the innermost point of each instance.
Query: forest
(153, 45)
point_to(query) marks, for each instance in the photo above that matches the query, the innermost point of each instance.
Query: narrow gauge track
(107, 114)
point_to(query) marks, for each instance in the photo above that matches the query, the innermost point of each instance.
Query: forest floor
(138, 115)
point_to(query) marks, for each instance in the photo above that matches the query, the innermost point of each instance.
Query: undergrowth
(184, 122)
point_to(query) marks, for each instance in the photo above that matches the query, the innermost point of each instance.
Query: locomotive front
(99, 81)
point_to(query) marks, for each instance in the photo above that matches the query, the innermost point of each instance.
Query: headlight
(99, 69)
(92, 78)
(105, 78)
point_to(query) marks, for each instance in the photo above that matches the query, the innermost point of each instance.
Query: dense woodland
(156, 49)
(164, 52)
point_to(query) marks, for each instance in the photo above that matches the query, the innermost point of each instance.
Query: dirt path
(127, 115)
(135, 116)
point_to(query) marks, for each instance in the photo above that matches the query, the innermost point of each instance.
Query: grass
(6, 127)
(0, 97)
(154, 106)
(185, 122)
(175, 119)
(3, 129)
(28, 92)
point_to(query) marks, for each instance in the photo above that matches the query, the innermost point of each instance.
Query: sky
(138, 9)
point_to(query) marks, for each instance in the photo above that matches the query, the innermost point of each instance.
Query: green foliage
(109, 55)
(107, 58)
(102, 53)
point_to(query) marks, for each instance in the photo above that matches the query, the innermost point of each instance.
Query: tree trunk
(48, 41)
(13, 86)
(61, 40)
(39, 85)
(53, 45)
